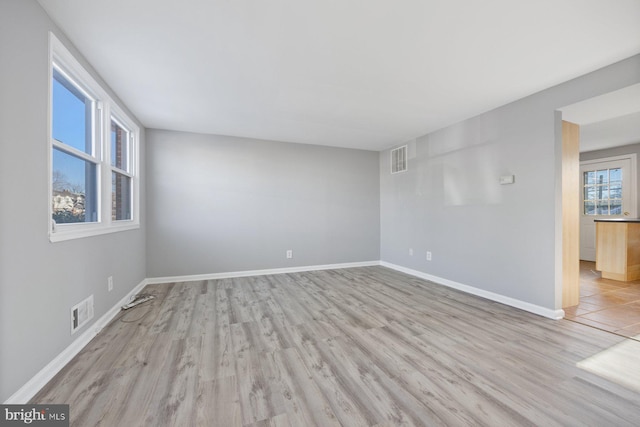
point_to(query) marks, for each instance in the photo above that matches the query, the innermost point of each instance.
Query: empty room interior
(366, 213)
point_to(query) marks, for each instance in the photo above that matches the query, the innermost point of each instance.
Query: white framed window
(607, 190)
(608, 186)
(122, 177)
(93, 151)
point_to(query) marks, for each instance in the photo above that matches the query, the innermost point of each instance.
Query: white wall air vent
(81, 313)
(399, 159)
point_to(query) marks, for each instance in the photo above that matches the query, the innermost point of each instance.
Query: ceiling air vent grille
(399, 159)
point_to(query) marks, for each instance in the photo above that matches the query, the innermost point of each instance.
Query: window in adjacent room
(603, 191)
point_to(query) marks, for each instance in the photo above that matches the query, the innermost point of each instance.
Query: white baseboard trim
(27, 391)
(522, 305)
(247, 273)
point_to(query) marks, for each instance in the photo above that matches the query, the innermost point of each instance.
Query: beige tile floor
(606, 304)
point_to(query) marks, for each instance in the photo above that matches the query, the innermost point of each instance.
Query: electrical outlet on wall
(428, 256)
(289, 254)
(411, 251)
(110, 283)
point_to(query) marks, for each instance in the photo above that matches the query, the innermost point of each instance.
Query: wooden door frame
(567, 271)
(569, 250)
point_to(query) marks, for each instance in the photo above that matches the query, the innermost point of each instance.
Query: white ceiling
(623, 130)
(365, 74)
(608, 120)
(604, 107)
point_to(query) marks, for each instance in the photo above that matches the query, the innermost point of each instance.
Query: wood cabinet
(618, 249)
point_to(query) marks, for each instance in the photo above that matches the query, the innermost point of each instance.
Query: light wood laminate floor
(352, 347)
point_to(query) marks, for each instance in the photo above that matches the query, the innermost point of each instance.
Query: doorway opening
(608, 189)
(605, 185)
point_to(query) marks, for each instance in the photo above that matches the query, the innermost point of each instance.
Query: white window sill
(80, 231)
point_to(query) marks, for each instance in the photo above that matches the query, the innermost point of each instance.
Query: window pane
(74, 189)
(119, 147)
(615, 191)
(616, 207)
(589, 208)
(71, 115)
(121, 196)
(615, 174)
(590, 193)
(603, 207)
(602, 192)
(590, 177)
(602, 177)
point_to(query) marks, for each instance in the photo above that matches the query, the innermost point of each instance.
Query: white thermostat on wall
(507, 179)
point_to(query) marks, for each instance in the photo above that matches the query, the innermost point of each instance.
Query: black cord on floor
(147, 303)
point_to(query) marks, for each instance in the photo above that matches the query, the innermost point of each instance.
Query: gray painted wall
(612, 152)
(241, 203)
(499, 238)
(40, 281)
(221, 204)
